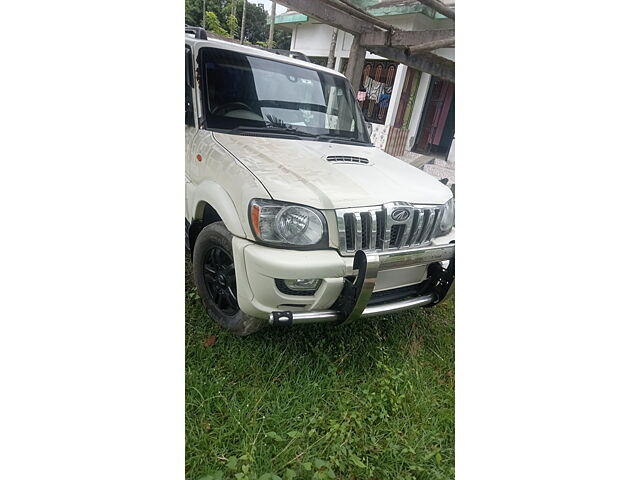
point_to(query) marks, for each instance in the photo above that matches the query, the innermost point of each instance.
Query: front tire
(215, 278)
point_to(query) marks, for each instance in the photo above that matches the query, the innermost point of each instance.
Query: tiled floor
(439, 168)
(441, 172)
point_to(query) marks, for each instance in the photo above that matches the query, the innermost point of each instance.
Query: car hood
(297, 171)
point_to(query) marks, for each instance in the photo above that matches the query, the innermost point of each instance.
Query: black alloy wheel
(215, 277)
(220, 280)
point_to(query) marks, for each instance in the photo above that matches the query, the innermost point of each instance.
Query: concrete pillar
(394, 102)
(451, 158)
(356, 63)
(418, 106)
(331, 58)
(294, 35)
(272, 23)
(338, 64)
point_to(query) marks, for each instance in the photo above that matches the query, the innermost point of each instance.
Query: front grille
(396, 235)
(391, 226)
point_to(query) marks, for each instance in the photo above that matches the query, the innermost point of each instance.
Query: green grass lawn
(374, 399)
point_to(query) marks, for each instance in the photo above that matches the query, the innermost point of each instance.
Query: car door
(190, 124)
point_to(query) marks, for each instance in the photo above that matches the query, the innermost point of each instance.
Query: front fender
(213, 194)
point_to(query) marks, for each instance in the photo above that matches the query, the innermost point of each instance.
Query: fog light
(299, 286)
(303, 284)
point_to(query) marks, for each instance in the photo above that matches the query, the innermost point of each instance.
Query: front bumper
(361, 286)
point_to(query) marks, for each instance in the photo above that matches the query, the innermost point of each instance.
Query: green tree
(193, 11)
(213, 24)
(232, 25)
(282, 39)
(256, 28)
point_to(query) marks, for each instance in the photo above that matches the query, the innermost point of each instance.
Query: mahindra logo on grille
(400, 214)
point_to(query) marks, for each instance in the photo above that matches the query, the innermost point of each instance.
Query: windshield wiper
(271, 129)
(278, 130)
(338, 138)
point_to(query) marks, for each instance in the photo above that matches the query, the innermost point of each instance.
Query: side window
(188, 87)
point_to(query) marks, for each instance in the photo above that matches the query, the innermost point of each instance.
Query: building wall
(379, 134)
(451, 158)
(449, 53)
(401, 75)
(313, 39)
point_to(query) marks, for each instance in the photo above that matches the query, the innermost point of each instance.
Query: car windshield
(254, 95)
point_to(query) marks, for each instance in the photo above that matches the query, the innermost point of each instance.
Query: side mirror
(369, 127)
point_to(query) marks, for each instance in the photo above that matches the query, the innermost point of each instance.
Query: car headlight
(286, 223)
(447, 218)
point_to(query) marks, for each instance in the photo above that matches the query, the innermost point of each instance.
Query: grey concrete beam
(431, 46)
(329, 14)
(357, 12)
(428, 62)
(401, 38)
(440, 8)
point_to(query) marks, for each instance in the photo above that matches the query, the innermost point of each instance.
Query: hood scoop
(348, 159)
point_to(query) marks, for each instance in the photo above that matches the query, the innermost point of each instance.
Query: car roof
(257, 52)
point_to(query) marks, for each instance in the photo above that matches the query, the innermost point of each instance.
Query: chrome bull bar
(355, 296)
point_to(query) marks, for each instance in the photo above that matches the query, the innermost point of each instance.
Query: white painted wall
(312, 39)
(452, 152)
(394, 101)
(449, 53)
(422, 22)
(421, 96)
(379, 134)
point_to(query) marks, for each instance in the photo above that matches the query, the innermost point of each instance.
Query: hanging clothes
(367, 84)
(375, 91)
(385, 98)
(373, 88)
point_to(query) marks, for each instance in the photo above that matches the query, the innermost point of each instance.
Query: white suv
(292, 215)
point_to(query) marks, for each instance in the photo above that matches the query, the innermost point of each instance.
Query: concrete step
(416, 159)
(441, 172)
(442, 163)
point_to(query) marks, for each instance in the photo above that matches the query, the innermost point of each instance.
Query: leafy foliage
(232, 25)
(213, 24)
(220, 13)
(256, 28)
(193, 12)
(282, 39)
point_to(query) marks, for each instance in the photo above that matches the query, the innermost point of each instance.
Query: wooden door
(434, 115)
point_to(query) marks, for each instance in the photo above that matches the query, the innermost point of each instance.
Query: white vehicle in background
(292, 215)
